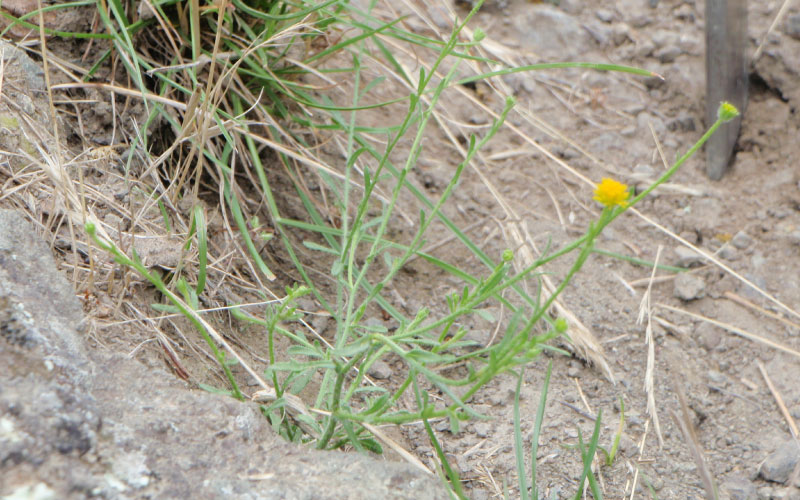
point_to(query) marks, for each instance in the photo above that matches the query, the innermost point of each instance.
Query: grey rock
(683, 123)
(620, 33)
(688, 257)
(479, 495)
(640, 21)
(573, 7)
(765, 493)
(684, 13)
(668, 54)
(380, 370)
(644, 170)
(601, 33)
(792, 26)
(665, 38)
(483, 429)
(33, 73)
(644, 48)
(604, 15)
(788, 493)
(606, 142)
(645, 119)
(778, 466)
(320, 322)
(552, 34)
(739, 488)
(689, 287)
(653, 82)
(79, 423)
(783, 177)
(728, 252)
(690, 236)
(717, 378)
(741, 240)
(689, 44)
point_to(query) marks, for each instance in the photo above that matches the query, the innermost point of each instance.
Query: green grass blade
(518, 447)
(537, 428)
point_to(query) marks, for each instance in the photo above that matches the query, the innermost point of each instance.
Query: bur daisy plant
(440, 367)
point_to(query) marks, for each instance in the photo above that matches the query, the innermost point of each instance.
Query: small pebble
(380, 370)
(741, 240)
(482, 429)
(684, 123)
(620, 33)
(604, 15)
(708, 336)
(717, 378)
(645, 119)
(689, 287)
(644, 170)
(668, 54)
(728, 253)
(319, 323)
(688, 257)
(788, 493)
(684, 13)
(765, 493)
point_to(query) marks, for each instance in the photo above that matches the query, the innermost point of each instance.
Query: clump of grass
(232, 78)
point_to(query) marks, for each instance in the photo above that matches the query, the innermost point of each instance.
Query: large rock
(78, 423)
(779, 465)
(552, 34)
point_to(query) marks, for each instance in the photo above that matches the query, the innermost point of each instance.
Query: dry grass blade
(684, 422)
(123, 91)
(76, 211)
(744, 302)
(641, 453)
(396, 447)
(646, 309)
(737, 331)
(779, 400)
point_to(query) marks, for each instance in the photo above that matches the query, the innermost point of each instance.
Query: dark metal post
(726, 76)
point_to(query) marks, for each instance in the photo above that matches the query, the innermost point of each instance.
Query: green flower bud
(727, 111)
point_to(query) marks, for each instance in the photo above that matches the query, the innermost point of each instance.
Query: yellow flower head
(610, 192)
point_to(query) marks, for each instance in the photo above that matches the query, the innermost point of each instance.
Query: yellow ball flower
(610, 192)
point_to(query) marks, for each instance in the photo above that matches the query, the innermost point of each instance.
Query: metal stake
(726, 76)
